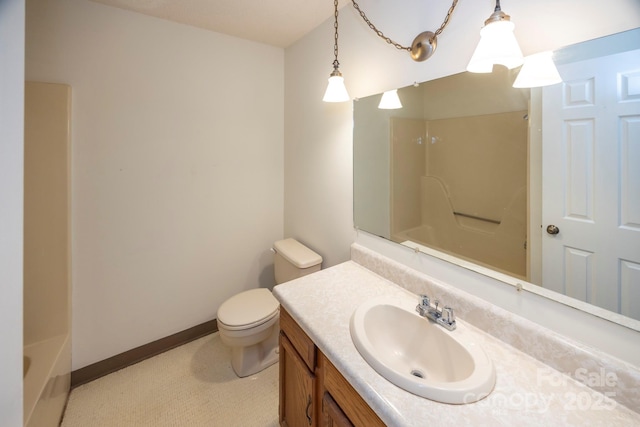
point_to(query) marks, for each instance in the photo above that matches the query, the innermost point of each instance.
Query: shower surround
(47, 290)
(460, 185)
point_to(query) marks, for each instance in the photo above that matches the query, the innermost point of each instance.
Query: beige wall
(177, 160)
(318, 140)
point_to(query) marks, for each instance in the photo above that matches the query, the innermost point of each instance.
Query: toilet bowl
(248, 322)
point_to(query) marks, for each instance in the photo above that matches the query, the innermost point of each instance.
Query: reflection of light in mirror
(390, 100)
(538, 70)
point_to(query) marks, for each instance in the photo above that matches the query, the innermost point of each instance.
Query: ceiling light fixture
(422, 48)
(498, 44)
(425, 43)
(336, 90)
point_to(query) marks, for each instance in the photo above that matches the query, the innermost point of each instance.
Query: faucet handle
(447, 313)
(423, 307)
(425, 301)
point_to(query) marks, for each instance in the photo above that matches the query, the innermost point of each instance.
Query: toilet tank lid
(297, 253)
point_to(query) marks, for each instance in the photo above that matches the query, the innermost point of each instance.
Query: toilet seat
(248, 309)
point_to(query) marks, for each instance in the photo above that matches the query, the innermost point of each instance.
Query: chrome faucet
(443, 317)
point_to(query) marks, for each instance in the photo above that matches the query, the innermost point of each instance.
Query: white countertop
(527, 392)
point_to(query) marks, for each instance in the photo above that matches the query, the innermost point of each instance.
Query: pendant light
(422, 48)
(336, 91)
(498, 44)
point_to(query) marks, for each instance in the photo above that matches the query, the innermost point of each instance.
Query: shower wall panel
(47, 308)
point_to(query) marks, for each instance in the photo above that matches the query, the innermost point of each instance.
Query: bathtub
(47, 263)
(47, 379)
(493, 249)
(496, 241)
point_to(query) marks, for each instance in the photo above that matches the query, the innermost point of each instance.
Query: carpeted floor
(192, 385)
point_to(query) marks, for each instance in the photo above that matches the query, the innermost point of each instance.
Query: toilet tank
(293, 260)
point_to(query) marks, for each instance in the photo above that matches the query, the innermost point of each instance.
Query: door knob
(552, 229)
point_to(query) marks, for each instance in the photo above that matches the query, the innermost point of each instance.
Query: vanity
(325, 381)
(312, 391)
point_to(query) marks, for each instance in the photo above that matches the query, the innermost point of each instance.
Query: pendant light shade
(498, 45)
(390, 100)
(538, 70)
(336, 90)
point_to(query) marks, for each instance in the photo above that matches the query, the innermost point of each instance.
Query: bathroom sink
(420, 356)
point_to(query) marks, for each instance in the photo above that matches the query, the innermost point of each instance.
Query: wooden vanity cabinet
(312, 391)
(298, 400)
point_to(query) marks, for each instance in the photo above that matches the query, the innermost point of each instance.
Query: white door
(591, 183)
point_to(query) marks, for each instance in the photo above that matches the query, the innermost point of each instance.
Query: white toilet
(249, 321)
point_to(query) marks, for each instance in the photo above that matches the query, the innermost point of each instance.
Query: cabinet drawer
(299, 339)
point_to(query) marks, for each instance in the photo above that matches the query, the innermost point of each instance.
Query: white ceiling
(275, 22)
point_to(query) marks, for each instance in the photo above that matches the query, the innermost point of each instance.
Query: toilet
(248, 322)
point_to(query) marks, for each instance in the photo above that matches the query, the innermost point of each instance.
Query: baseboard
(138, 354)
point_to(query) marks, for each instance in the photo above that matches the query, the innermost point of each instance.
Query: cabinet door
(332, 415)
(297, 385)
(347, 398)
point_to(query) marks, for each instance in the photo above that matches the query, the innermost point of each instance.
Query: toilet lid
(248, 307)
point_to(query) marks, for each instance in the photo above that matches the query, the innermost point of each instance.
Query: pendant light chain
(336, 64)
(446, 19)
(377, 31)
(396, 44)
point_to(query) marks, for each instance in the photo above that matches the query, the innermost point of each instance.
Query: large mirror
(535, 185)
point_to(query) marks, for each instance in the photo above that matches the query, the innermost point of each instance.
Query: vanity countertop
(527, 392)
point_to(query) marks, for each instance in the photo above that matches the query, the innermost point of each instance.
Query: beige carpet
(192, 385)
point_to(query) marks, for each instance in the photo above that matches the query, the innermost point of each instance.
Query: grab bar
(493, 221)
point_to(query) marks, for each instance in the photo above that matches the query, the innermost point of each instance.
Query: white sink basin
(420, 356)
